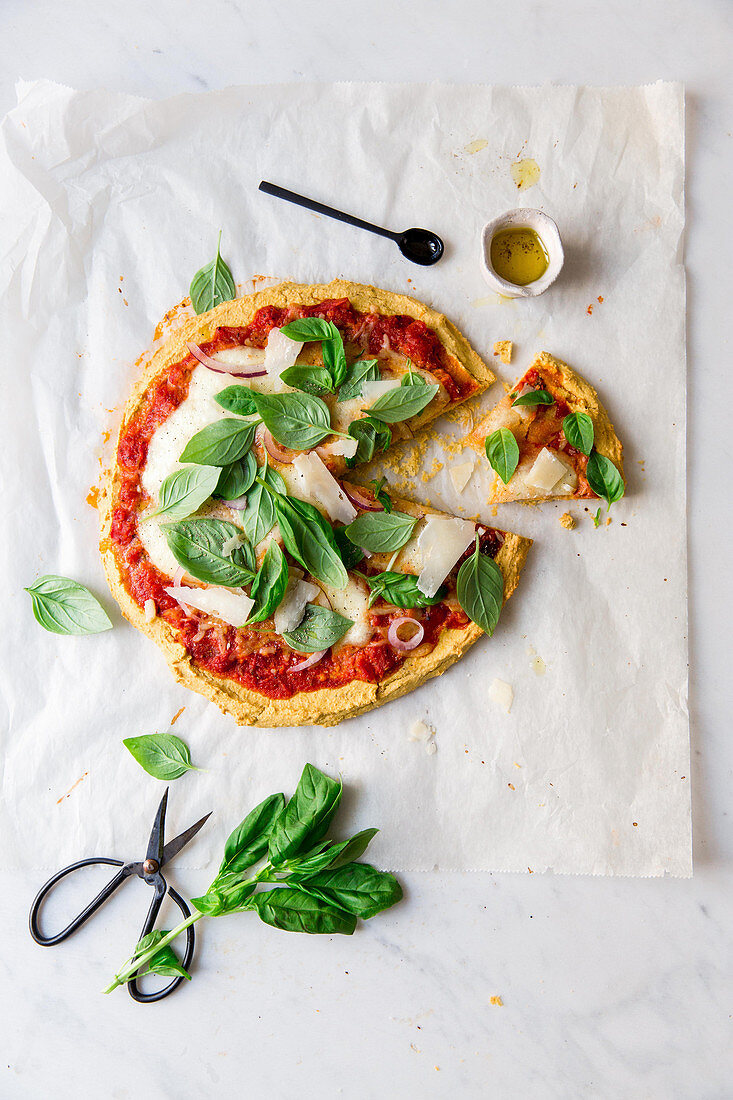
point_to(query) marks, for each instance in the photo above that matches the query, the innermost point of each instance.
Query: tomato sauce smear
(259, 659)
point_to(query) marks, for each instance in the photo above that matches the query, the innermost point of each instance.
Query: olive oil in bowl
(518, 255)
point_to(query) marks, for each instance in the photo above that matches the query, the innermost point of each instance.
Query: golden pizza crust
(326, 706)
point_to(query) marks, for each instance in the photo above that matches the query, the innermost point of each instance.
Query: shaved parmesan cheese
(460, 475)
(230, 545)
(233, 607)
(292, 609)
(371, 391)
(280, 353)
(441, 543)
(150, 611)
(322, 486)
(568, 484)
(502, 694)
(345, 447)
(547, 470)
(353, 603)
(420, 731)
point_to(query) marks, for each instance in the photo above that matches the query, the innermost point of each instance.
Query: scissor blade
(157, 836)
(174, 846)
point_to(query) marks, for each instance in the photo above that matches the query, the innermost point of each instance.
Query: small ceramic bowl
(546, 230)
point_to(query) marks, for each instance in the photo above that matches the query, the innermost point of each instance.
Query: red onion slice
(237, 505)
(274, 450)
(396, 642)
(360, 499)
(308, 662)
(254, 371)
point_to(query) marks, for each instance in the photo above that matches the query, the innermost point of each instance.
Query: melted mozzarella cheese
(548, 469)
(321, 485)
(245, 357)
(441, 543)
(156, 546)
(292, 608)
(353, 603)
(233, 607)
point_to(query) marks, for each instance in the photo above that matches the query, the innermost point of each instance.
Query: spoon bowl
(421, 246)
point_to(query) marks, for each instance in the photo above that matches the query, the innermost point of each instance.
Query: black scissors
(149, 871)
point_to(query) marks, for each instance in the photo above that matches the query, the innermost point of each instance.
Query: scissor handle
(105, 893)
(161, 887)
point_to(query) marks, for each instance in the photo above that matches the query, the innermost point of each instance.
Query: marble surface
(610, 988)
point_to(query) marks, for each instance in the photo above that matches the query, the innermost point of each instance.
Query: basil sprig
(63, 606)
(604, 479)
(319, 629)
(184, 491)
(317, 885)
(502, 451)
(258, 518)
(579, 431)
(213, 284)
(535, 397)
(399, 589)
(381, 532)
(364, 370)
(165, 962)
(480, 589)
(268, 587)
(297, 420)
(406, 400)
(196, 544)
(309, 538)
(162, 755)
(371, 436)
(220, 443)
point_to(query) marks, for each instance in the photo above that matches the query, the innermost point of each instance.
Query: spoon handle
(311, 204)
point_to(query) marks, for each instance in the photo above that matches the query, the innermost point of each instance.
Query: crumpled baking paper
(110, 204)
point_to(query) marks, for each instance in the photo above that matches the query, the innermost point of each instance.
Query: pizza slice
(550, 438)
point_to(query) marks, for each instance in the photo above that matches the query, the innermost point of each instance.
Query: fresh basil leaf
(315, 380)
(604, 479)
(371, 435)
(184, 491)
(248, 842)
(579, 431)
(350, 555)
(149, 941)
(63, 606)
(196, 544)
(167, 964)
(162, 755)
(229, 897)
(237, 479)
(307, 816)
(400, 589)
(411, 378)
(334, 357)
(408, 399)
(307, 329)
(480, 589)
(364, 370)
(357, 888)
(268, 587)
(212, 285)
(380, 495)
(535, 397)
(220, 443)
(319, 629)
(258, 518)
(237, 399)
(310, 540)
(597, 518)
(502, 451)
(297, 420)
(331, 855)
(295, 911)
(381, 532)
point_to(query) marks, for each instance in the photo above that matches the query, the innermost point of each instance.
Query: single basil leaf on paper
(380, 494)
(535, 397)
(248, 842)
(63, 606)
(162, 755)
(400, 589)
(196, 544)
(579, 431)
(604, 479)
(364, 370)
(357, 888)
(502, 451)
(313, 380)
(184, 491)
(319, 629)
(371, 436)
(381, 532)
(408, 399)
(258, 518)
(220, 443)
(268, 587)
(237, 400)
(296, 420)
(350, 555)
(237, 479)
(295, 911)
(307, 816)
(480, 590)
(310, 540)
(307, 329)
(212, 285)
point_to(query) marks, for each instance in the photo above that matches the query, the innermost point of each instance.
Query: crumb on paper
(425, 734)
(525, 173)
(496, 1000)
(461, 473)
(177, 715)
(437, 466)
(475, 146)
(503, 348)
(93, 497)
(567, 521)
(71, 788)
(502, 693)
(609, 519)
(589, 310)
(538, 665)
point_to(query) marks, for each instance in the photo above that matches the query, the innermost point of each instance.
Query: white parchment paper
(110, 203)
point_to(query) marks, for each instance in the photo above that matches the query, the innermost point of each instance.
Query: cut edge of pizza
(550, 438)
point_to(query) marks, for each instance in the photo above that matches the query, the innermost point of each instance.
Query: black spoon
(419, 245)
